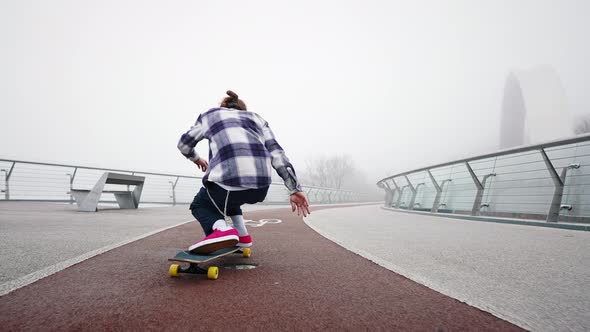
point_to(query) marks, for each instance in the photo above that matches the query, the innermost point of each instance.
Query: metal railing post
(568, 207)
(7, 174)
(415, 193)
(413, 190)
(480, 194)
(477, 201)
(174, 190)
(442, 189)
(438, 192)
(559, 182)
(5, 190)
(553, 214)
(72, 177)
(476, 209)
(401, 194)
(397, 190)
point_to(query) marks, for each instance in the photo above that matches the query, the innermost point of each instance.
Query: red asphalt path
(303, 282)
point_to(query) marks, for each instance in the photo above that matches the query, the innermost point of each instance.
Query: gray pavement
(39, 239)
(534, 277)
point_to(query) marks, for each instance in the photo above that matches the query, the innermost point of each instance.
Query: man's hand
(299, 202)
(202, 164)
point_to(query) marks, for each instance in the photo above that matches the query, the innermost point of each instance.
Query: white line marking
(30, 278)
(262, 222)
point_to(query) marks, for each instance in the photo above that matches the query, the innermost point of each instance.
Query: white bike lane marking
(261, 222)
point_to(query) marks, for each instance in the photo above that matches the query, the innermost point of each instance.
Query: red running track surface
(302, 282)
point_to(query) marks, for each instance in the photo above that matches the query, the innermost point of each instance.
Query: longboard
(195, 259)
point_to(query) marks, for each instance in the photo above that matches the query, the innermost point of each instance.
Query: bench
(87, 200)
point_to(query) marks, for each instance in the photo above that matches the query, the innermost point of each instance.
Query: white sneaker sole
(217, 240)
(244, 245)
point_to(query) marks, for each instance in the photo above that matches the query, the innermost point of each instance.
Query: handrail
(322, 194)
(519, 149)
(95, 168)
(494, 183)
(140, 172)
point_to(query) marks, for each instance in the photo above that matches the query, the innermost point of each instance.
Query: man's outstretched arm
(286, 171)
(187, 144)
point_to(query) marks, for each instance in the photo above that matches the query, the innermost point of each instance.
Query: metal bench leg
(137, 195)
(90, 202)
(125, 200)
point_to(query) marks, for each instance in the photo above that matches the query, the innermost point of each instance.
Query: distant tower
(534, 108)
(513, 114)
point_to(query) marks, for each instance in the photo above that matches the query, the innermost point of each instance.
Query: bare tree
(582, 125)
(332, 172)
(339, 172)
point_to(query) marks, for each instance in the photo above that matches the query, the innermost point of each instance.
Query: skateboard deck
(195, 259)
(187, 257)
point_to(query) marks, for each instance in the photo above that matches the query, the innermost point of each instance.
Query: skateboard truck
(212, 272)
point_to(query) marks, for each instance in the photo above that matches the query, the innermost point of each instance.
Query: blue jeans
(207, 214)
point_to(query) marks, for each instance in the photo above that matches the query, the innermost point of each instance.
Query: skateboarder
(242, 149)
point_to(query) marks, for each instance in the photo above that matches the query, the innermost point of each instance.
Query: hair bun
(232, 94)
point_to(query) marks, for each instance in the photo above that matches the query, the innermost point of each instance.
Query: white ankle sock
(238, 222)
(221, 225)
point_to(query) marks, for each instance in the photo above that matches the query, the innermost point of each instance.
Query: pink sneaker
(245, 241)
(215, 241)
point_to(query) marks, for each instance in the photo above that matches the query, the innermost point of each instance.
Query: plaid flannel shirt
(242, 149)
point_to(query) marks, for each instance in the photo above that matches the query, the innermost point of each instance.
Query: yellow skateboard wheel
(212, 272)
(173, 271)
(246, 252)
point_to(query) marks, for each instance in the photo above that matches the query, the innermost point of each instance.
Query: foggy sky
(394, 84)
